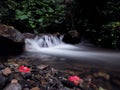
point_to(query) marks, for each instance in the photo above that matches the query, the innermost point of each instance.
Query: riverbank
(41, 76)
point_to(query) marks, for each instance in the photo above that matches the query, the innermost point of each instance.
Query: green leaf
(29, 14)
(41, 20)
(32, 25)
(31, 22)
(50, 10)
(34, 13)
(39, 12)
(23, 17)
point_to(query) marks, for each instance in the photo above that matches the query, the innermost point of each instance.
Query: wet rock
(10, 77)
(115, 81)
(14, 85)
(2, 66)
(2, 81)
(103, 75)
(45, 77)
(35, 88)
(10, 48)
(26, 89)
(86, 83)
(23, 62)
(11, 33)
(101, 88)
(27, 75)
(68, 84)
(28, 35)
(11, 41)
(17, 76)
(26, 84)
(72, 37)
(41, 67)
(14, 81)
(6, 71)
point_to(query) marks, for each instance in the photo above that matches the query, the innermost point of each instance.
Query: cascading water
(53, 46)
(44, 41)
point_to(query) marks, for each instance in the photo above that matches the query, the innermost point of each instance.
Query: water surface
(66, 56)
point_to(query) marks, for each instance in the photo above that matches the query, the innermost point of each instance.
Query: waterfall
(44, 41)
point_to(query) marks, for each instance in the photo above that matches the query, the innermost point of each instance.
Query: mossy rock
(11, 33)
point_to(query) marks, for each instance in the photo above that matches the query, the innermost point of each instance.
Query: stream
(51, 50)
(80, 59)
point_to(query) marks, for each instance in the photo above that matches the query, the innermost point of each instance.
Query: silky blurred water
(66, 55)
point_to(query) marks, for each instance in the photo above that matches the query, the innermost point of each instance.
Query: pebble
(103, 75)
(6, 71)
(14, 81)
(13, 86)
(44, 77)
(42, 66)
(35, 88)
(26, 89)
(2, 81)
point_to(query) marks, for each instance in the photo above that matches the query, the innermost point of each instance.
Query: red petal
(75, 79)
(24, 69)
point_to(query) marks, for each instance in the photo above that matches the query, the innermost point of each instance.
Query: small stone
(2, 66)
(35, 88)
(14, 81)
(88, 79)
(101, 88)
(25, 84)
(116, 81)
(26, 89)
(43, 82)
(27, 75)
(68, 84)
(42, 67)
(103, 75)
(86, 82)
(13, 86)
(16, 65)
(16, 76)
(12, 60)
(2, 81)
(6, 71)
(22, 62)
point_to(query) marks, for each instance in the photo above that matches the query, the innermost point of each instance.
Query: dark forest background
(96, 20)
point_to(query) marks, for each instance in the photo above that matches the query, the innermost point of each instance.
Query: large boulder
(28, 35)
(9, 47)
(11, 41)
(72, 37)
(11, 33)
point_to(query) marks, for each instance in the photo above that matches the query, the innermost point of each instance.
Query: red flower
(24, 69)
(75, 79)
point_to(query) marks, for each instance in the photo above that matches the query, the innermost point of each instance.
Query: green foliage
(7, 8)
(111, 9)
(40, 14)
(99, 20)
(110, 33)
(35, 14)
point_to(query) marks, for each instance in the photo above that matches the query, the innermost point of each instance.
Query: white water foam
(53, 45)
(44, 41)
